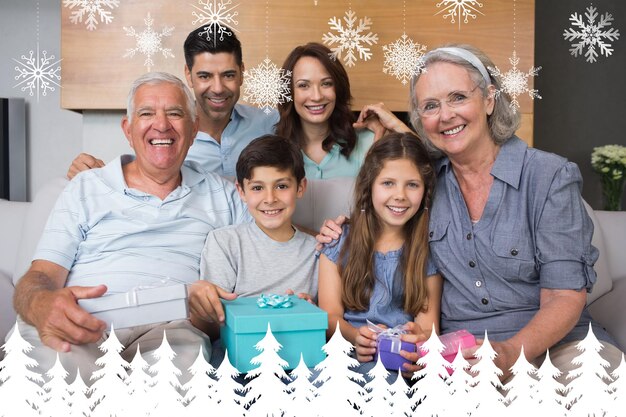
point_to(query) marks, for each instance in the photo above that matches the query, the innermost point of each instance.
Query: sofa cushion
(323, 199)
(34, 223)
(604, 282)
(614, 232)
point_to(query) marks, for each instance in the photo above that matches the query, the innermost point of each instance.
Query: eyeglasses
(456, 99)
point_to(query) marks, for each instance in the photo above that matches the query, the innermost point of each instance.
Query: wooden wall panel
(95, 75)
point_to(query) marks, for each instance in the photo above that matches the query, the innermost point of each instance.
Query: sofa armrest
(12, 214)
(610, 311)
(613, 225)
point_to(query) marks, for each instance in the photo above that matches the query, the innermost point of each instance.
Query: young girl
(379, 269)
(320, 119)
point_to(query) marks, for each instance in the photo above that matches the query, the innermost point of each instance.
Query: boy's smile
(271, 196)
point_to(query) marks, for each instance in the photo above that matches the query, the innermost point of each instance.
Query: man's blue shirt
(246, 123)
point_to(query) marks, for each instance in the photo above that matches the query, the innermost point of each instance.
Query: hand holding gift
(205, 301)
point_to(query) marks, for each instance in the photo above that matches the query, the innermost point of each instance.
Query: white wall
(54, 136)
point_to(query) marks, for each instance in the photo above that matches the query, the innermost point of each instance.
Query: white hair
(153, 78)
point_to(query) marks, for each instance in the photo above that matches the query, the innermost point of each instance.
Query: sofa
(21, 225)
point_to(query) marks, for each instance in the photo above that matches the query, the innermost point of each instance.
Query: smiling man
(214, 71)
(134, 222)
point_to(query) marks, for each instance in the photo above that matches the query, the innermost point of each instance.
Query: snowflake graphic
(591, 34)
(514, 82)
(350, 38)
(93, 9)
(219, 15)
(404, 58)
(37, 73)
(149, 42)
(459, 10)
(267, 85)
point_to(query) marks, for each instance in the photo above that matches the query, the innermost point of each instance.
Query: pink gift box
(451, 343)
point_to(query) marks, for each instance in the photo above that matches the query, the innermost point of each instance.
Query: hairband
(469, 57)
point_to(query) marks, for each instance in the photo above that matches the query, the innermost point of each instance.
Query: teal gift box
(300, 328)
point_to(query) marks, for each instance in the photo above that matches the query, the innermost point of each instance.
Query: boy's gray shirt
(244, 260)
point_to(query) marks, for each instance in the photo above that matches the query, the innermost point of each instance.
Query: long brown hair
(356, 259)
(341, 119)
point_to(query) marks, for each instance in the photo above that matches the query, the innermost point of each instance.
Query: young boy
(268, 255)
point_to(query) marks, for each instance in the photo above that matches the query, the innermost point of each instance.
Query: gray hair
(504, 120)
(153, 78)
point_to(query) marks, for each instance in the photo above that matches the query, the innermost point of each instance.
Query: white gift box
(140, 306)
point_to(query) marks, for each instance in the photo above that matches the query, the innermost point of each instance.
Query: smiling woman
(508, 229)
(319, 118)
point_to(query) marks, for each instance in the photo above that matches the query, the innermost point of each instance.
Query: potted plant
(610, 162)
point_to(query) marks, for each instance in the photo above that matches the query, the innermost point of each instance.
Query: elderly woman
(508, 229)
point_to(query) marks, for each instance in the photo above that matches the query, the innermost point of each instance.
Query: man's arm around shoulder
(42, 300)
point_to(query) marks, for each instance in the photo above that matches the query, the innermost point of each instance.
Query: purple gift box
(389, 347)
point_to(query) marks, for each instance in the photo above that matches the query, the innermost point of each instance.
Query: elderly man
(214, 70)
(136, 221)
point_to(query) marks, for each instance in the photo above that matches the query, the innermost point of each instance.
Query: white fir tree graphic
(431, 392)
(379, 394)
(266, 85)
(617, 405)
(520, 390)
(227, 390)
(401, 405)
(548, 392)
(80, 402)
(199, 390)
(487, 398)
(57, 397)
(588, 393)
(459, 10)
(20, 392)
(166, 399)
(460, 387)
(351, 39)
(109, 393)
(148, 42)
(340, 393)
(218, 16)
(514, 82)
(587, 36)
(302, 392)
(139, 384)
(267, 392)
(91, 11)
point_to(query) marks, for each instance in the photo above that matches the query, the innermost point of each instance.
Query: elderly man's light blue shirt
(104, 232)
(246, 124)
(534, 233)
(335, 164)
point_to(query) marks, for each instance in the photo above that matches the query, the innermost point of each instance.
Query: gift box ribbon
(274, 301)
(393, 334)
